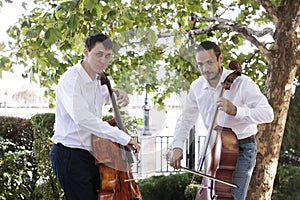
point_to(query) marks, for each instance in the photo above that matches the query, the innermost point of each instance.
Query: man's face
(98, 58)
(208, 64)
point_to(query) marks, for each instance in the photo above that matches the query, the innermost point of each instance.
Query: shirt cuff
(241, 112)
(178, 144)
(124, 138)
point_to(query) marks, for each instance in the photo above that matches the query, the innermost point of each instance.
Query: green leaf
(235, 39)
(52, 35)
(90, 4)
(2, 46)
(73, 22)
(152, 37)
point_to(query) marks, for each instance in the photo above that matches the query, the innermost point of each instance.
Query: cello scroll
(236, 66)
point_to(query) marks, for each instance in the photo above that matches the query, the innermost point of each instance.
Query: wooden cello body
(220, 153)
(220, 164)
(116, 179)
(114, 162)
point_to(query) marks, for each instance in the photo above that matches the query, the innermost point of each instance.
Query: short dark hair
(207, 45)
(98, 37)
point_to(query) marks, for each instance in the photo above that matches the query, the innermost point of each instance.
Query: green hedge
(171, 187)
(287, 183)
(18, 175)
(25, 166)
(43, 126)
(25, 171)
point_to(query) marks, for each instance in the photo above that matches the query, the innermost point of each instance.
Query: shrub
(18, 175)
(162, 187)
(286, 184)
(47, 188)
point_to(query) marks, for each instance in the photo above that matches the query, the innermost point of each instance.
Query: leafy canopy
(152, 50)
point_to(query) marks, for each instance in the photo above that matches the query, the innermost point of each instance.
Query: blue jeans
(76, 172)
(244, 168)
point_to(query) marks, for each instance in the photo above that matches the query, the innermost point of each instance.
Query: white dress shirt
(252, 108)
(79, 101)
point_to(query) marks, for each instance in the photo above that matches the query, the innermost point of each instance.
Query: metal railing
(163, 147)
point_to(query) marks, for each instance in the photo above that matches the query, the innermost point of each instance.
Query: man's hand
(122, 97)
(134, 146)
(226, 106)
(176, 157)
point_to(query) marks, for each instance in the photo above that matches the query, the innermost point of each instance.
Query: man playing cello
(241, 109)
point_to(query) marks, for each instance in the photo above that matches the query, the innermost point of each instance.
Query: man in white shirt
(241, 108)
(79, 100)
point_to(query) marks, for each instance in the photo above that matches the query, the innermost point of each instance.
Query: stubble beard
(214, 77)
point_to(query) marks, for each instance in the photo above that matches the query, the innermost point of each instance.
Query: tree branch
(270, 9)
(248, 33)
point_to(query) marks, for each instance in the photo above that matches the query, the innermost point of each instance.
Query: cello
(220, 161)
(114, 161)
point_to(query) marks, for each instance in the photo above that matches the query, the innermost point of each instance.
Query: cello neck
(117, 117)
(117, 114)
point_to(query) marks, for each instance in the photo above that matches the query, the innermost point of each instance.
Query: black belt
(247, 140)
(71, 148)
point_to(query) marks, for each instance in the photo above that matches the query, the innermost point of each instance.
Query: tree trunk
(270, 136)
(279, 85)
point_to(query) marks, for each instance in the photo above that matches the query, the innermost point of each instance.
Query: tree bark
(281, 74)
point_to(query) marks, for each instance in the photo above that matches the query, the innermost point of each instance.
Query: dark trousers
(76, 172)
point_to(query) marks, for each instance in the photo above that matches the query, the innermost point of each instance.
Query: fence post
(190, 150)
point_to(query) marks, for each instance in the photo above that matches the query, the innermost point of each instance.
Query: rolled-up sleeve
(257, 110)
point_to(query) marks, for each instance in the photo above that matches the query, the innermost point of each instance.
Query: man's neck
(88, 70)
(214, 83)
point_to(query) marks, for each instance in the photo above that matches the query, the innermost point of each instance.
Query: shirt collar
(84, 75)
